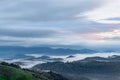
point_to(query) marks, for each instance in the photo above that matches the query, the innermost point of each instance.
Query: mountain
(112, 58)
(14, 72)
(27, 61)
(16, 50)
(94, 68)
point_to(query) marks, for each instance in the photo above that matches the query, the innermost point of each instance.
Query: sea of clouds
(29, 63)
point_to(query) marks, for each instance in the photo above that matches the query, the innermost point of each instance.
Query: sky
(60, 22)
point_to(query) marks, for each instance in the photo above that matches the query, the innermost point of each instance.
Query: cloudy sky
(59, 22)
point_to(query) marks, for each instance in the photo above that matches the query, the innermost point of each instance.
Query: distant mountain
(44, 58)
(113, 58)
(15, 50)
(14, 72)
(92, 68)
(30, 60)
(70, 56)
(26, 61)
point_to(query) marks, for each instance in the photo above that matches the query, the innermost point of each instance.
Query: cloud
(113, 38)
(54, 22)
(105, 12)
(115, 18)
(41, 11)
(112, 34)
(28, 32)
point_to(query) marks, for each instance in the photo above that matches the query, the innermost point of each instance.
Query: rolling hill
(94, 68)
(14, 72)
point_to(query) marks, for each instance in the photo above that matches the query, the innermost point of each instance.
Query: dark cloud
(28, 32)
(44, 10)
(84, 27)
(113, 38)
(115, 18)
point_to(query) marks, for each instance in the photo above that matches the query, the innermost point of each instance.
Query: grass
(11, 73)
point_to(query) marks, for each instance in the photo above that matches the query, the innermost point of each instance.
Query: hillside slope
(13, 72)
(84, 70)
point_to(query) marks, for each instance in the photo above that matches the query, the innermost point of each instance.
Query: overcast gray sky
(59, 22)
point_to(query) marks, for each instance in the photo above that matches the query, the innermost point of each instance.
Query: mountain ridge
(90, 68)
(14, 72)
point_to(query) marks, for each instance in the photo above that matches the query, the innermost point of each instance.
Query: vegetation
(84, 70)
(14, 72)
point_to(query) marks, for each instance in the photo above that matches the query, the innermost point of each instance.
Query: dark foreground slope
(84, 70)
(13, 72)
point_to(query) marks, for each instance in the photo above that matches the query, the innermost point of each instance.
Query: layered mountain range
(90, 68)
